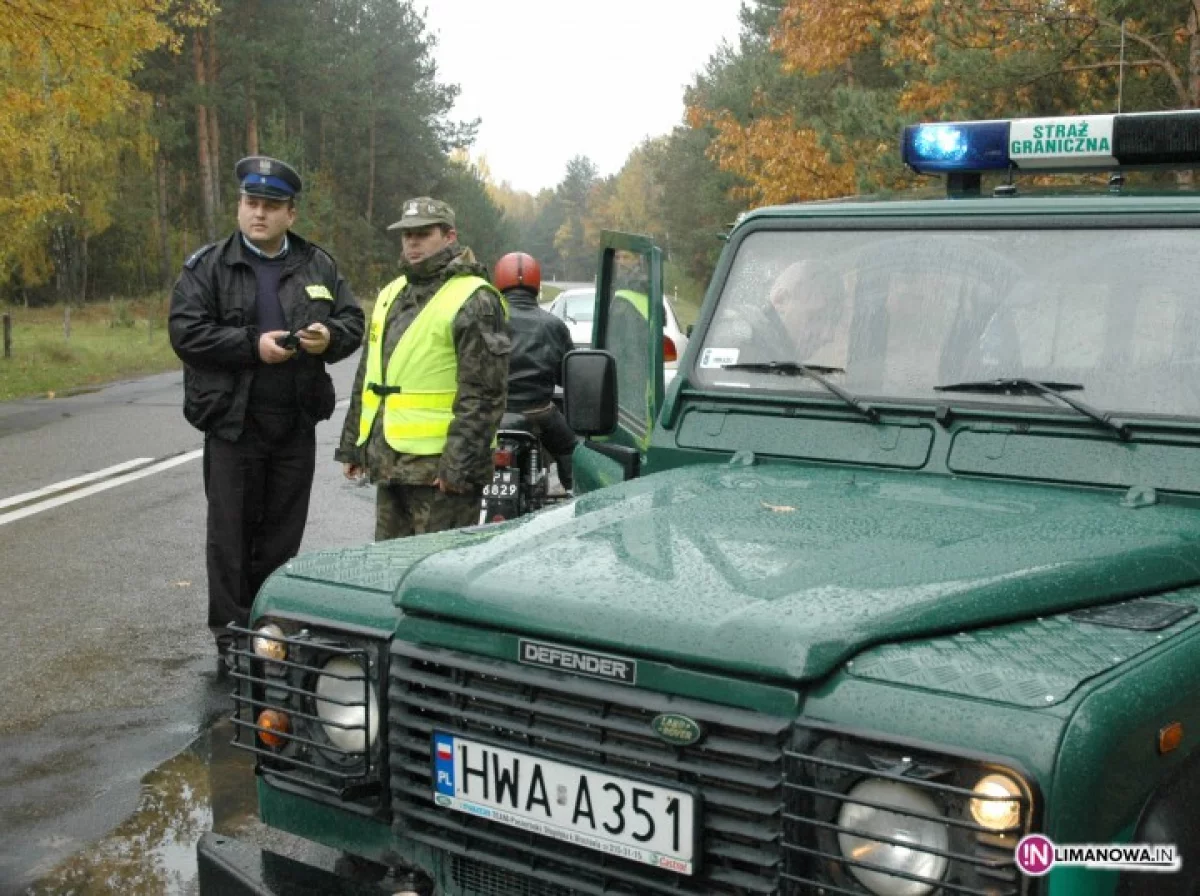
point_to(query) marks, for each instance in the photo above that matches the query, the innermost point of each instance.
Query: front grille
(488, 880)
(737, 769)
(823, 769)
(320, 756)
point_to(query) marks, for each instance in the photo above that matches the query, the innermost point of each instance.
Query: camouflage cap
(422, 212)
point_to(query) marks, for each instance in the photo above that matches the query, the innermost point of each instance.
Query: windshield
(1116, 311)
(579, 307)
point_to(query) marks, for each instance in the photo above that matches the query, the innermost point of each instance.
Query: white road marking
(159, 467)
(67, 484)
(71, 483)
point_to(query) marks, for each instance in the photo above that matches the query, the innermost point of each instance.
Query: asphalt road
(107, 669)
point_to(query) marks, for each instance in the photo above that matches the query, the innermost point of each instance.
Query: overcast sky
(553, 79)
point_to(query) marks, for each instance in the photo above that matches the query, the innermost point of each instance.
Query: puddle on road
(209, 786)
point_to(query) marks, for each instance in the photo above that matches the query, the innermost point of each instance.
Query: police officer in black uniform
(255, 318)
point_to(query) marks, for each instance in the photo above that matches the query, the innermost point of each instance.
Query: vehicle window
(580, 307)
(627, 337)
(1114, 310)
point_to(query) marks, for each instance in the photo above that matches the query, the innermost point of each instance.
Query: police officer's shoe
(225, 659)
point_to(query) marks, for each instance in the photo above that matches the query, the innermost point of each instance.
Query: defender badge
(677, 730)
(582, 662)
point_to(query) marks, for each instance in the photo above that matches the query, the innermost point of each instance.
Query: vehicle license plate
(620, 816)
(504, 484)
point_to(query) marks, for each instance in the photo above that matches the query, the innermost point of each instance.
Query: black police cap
(267, 177)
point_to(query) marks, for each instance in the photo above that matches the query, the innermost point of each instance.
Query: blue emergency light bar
(1066, 143)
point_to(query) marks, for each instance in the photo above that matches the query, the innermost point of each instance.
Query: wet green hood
(785, 571)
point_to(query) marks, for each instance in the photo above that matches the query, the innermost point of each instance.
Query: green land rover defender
(893, 591)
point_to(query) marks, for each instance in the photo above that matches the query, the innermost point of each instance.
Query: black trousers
(558, 438)
(258, 490)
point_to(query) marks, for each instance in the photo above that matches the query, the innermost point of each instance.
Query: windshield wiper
(1023, 386)
(813, 372)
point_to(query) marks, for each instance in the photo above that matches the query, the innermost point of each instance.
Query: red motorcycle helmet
(517, 269)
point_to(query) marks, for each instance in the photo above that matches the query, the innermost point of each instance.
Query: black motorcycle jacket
(539, 342)
(213, 330)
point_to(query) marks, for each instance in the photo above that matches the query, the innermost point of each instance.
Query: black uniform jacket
(213, 328)
(539, 342)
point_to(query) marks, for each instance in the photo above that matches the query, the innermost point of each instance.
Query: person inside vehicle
(808, 308)
(540, 341)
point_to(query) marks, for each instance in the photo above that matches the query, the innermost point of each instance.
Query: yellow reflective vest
(418, 389)
(638, 300)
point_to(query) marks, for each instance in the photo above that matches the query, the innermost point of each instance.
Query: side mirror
(590, 391)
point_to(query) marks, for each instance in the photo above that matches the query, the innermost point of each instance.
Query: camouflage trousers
(402, 510)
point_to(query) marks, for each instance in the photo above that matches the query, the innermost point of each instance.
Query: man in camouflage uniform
(426, 405)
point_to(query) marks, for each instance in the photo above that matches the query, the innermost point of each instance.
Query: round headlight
(1001, 808)
(340, 705)
(923, 834)
(269, 644)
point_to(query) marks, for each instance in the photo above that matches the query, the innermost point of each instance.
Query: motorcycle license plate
(504, 484)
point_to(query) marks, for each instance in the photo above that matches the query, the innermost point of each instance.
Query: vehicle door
(628, 323)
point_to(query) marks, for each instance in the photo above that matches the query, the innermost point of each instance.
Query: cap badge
(264, 166)
(411, 209)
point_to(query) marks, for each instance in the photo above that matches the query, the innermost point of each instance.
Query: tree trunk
(185, 238)
(324, 132)
(371, 164)
(1193, 28)
(251, 26)
(83, 270)
(202, 143)
(251, 123)
(214, 131)
(164, 252)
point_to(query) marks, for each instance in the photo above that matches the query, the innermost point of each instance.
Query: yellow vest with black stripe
(417, 392)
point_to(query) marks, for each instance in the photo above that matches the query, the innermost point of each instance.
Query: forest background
(120, 122)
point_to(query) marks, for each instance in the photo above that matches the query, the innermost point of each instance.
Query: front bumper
(230, 867)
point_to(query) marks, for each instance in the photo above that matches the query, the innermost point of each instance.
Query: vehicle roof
(1096, 202)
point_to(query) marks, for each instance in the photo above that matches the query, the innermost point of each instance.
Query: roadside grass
(108, 341)
(111, 341)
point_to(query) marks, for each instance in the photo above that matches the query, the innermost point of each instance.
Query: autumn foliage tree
(65, 122)
(842, 76)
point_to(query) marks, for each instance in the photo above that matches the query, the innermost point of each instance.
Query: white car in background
(576, 307)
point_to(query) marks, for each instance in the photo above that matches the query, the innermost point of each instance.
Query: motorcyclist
(539, 342)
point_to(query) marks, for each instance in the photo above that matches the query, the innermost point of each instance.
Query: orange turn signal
(277, 728)
(1170, 737)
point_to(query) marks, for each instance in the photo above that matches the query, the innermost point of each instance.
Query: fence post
(8, 335)
(67, 322)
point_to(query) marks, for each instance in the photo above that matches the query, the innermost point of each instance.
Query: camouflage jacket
(481, 341)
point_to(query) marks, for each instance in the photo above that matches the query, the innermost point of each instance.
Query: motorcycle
(520, 480)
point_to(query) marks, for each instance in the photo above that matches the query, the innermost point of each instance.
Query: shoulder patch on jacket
(319, 291)
(195, 257)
